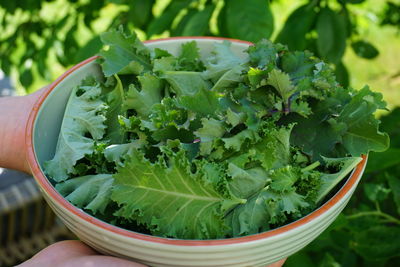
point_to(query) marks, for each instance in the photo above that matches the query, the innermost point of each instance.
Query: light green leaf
(114, 100)
(297, 25)
(185, 207)
(149, 94)
(222, 59)
(90, 192)
(229, 79)
(185, 82)
(281, 82)
(245, 183)
(330, 180)
(198, 24)
(84, 113)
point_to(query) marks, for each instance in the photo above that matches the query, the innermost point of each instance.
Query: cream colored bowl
(254, 250)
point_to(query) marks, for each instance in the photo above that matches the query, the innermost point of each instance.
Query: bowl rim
(45, 184)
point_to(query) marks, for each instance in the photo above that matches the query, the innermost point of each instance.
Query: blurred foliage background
(39, 40)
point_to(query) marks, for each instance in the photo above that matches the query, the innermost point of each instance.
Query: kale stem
(311, 166)
(388, 217)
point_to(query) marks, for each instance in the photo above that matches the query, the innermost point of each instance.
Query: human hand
(73, 253)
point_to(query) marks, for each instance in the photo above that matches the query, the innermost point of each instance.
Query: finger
(59, 252)
(99, 261)
(277, 264)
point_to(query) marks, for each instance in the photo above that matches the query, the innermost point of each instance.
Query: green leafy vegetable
(185, 146)
(84, 114)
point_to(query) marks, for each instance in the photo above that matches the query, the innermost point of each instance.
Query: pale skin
(14, 114)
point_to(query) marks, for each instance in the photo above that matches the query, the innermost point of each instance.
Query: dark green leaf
(331, 29)
(197, 25)
(380, 161)
(26, 78)
(342, 75)
(376, 192)
(140, 12)
(377, 243)
(365, 49)
(89, 49)
(177, 31)
(249, 21)
(394, 183)
(164, 21)
(296, 26)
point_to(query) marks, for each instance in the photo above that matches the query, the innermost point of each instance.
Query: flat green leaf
(297, 25)
(198, 24)
(377, 243)
(376, 192)
(331, 29)
(140, 12)
(251, 21)
(342, 74)
(365, 49)
(91, 192)
(177, 31)
(84, 113)
(164, 21)
(394, 184)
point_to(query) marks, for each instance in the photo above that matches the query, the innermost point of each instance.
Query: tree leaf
(177, 31)
(197, 25)
(297, 25)
(377, 243)
(365, 49)
(331, 29)
(249, 21)
(140, 12)
(394, 184)
(164, 21)
(376, 192)
(342, 75)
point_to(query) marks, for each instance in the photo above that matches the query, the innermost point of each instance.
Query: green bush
(39, 39)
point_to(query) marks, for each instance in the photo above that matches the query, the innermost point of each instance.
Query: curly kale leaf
(85, 113)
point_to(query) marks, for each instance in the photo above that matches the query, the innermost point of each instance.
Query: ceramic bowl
(253, 250)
